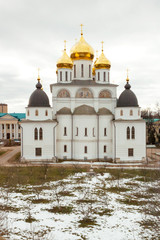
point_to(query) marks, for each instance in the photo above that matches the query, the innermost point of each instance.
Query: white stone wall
(86, 64)
(101, 75)
(41, 113)
(69, 74)
(29, 143)
(126, 113)
(122, 143)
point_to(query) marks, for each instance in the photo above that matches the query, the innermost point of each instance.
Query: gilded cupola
(102, 62)
(82, 50)
(65, 61)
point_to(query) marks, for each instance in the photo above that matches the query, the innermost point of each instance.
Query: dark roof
(104, 111)
(46, 121)
(82, 83)
(38, 98)
(19, 116)
(84, 110)
(64, 110)
(127, 98)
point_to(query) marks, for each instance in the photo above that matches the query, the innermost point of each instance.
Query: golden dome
(82, 50)
(102, 62)
(65, 61)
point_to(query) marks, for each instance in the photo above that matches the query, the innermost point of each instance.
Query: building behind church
(86, 120)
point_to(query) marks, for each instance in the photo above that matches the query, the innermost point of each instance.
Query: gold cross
(102, 45)
(127, 75)
(97, 54)
(65, 45)
(38, 74)
(81, 29)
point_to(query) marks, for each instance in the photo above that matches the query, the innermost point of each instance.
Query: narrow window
(36, 112)
(70, 76)
(82, 70)
(159, 130)
(93, 132)
(85, 149)
(108, 77)
(76, 131)
(12, 135)
(98, 76)
(105, 131)
(8, 126)
(40, 134)
(12, 126)
(60, 75)
(133, 133)
(121, 113)
(85, 132)
(131, 112)
(74, 71)
(105, 148)
(65, 131)
(104, 76)
(89, 71)
(46, 112)
(66, 76)
(65, 148)
(28, 113)
(2, 126)
(35, 134)
(19, 135)
(19, 126)
(38, 151)
(128, 133)
(130, 152)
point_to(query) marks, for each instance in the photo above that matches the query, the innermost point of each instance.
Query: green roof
(19, 116)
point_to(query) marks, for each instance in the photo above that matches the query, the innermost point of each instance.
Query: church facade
(86, 120)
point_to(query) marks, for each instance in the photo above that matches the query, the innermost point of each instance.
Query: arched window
(35, 134)
(131, 112)
(121, 113)
(108, 76)
(28, 113)
(104, 76)
(46, 112)
(128, 133)
(36, 112)
(82, 70)
(74, 71)
(60, 75)
(133, 133)
(40, 134)
(66, 76)
(98, 76)
(89, 71)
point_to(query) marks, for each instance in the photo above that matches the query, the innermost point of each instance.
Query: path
(12, 151)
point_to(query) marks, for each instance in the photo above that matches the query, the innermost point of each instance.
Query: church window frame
(130, 152)
(36, 134)
(65, 148)
(108, 77)
(60, 76)
(85, 149)
(38, 152)
(131, 112)
(133, 132)
(36, 112)
(76, 131)
(105, 149)
(12, 126)
(3, 126)
(70, 76)
(105, 132)
(85, 132)
(46, 113)
(128, 133)
(104, 76)
(28, 113)
(121, 112)
(66, 76)
(98, 76)
(93, 132)
(74, 71)
(40, 134)
(65, 131)
(89, 70)
(82, 70)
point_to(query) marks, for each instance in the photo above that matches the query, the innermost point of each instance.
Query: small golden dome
(82, 50)
(65, 61)
(93, 71)
(102, 62)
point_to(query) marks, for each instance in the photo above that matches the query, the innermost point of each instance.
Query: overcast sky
(32, 34)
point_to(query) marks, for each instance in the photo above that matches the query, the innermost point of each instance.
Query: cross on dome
(81, 29)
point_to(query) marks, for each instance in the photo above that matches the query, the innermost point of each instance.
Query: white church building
(86, 120)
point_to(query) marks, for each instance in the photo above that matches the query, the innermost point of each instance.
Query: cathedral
(86, 121)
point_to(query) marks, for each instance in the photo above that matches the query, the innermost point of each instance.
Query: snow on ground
(88, 196)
